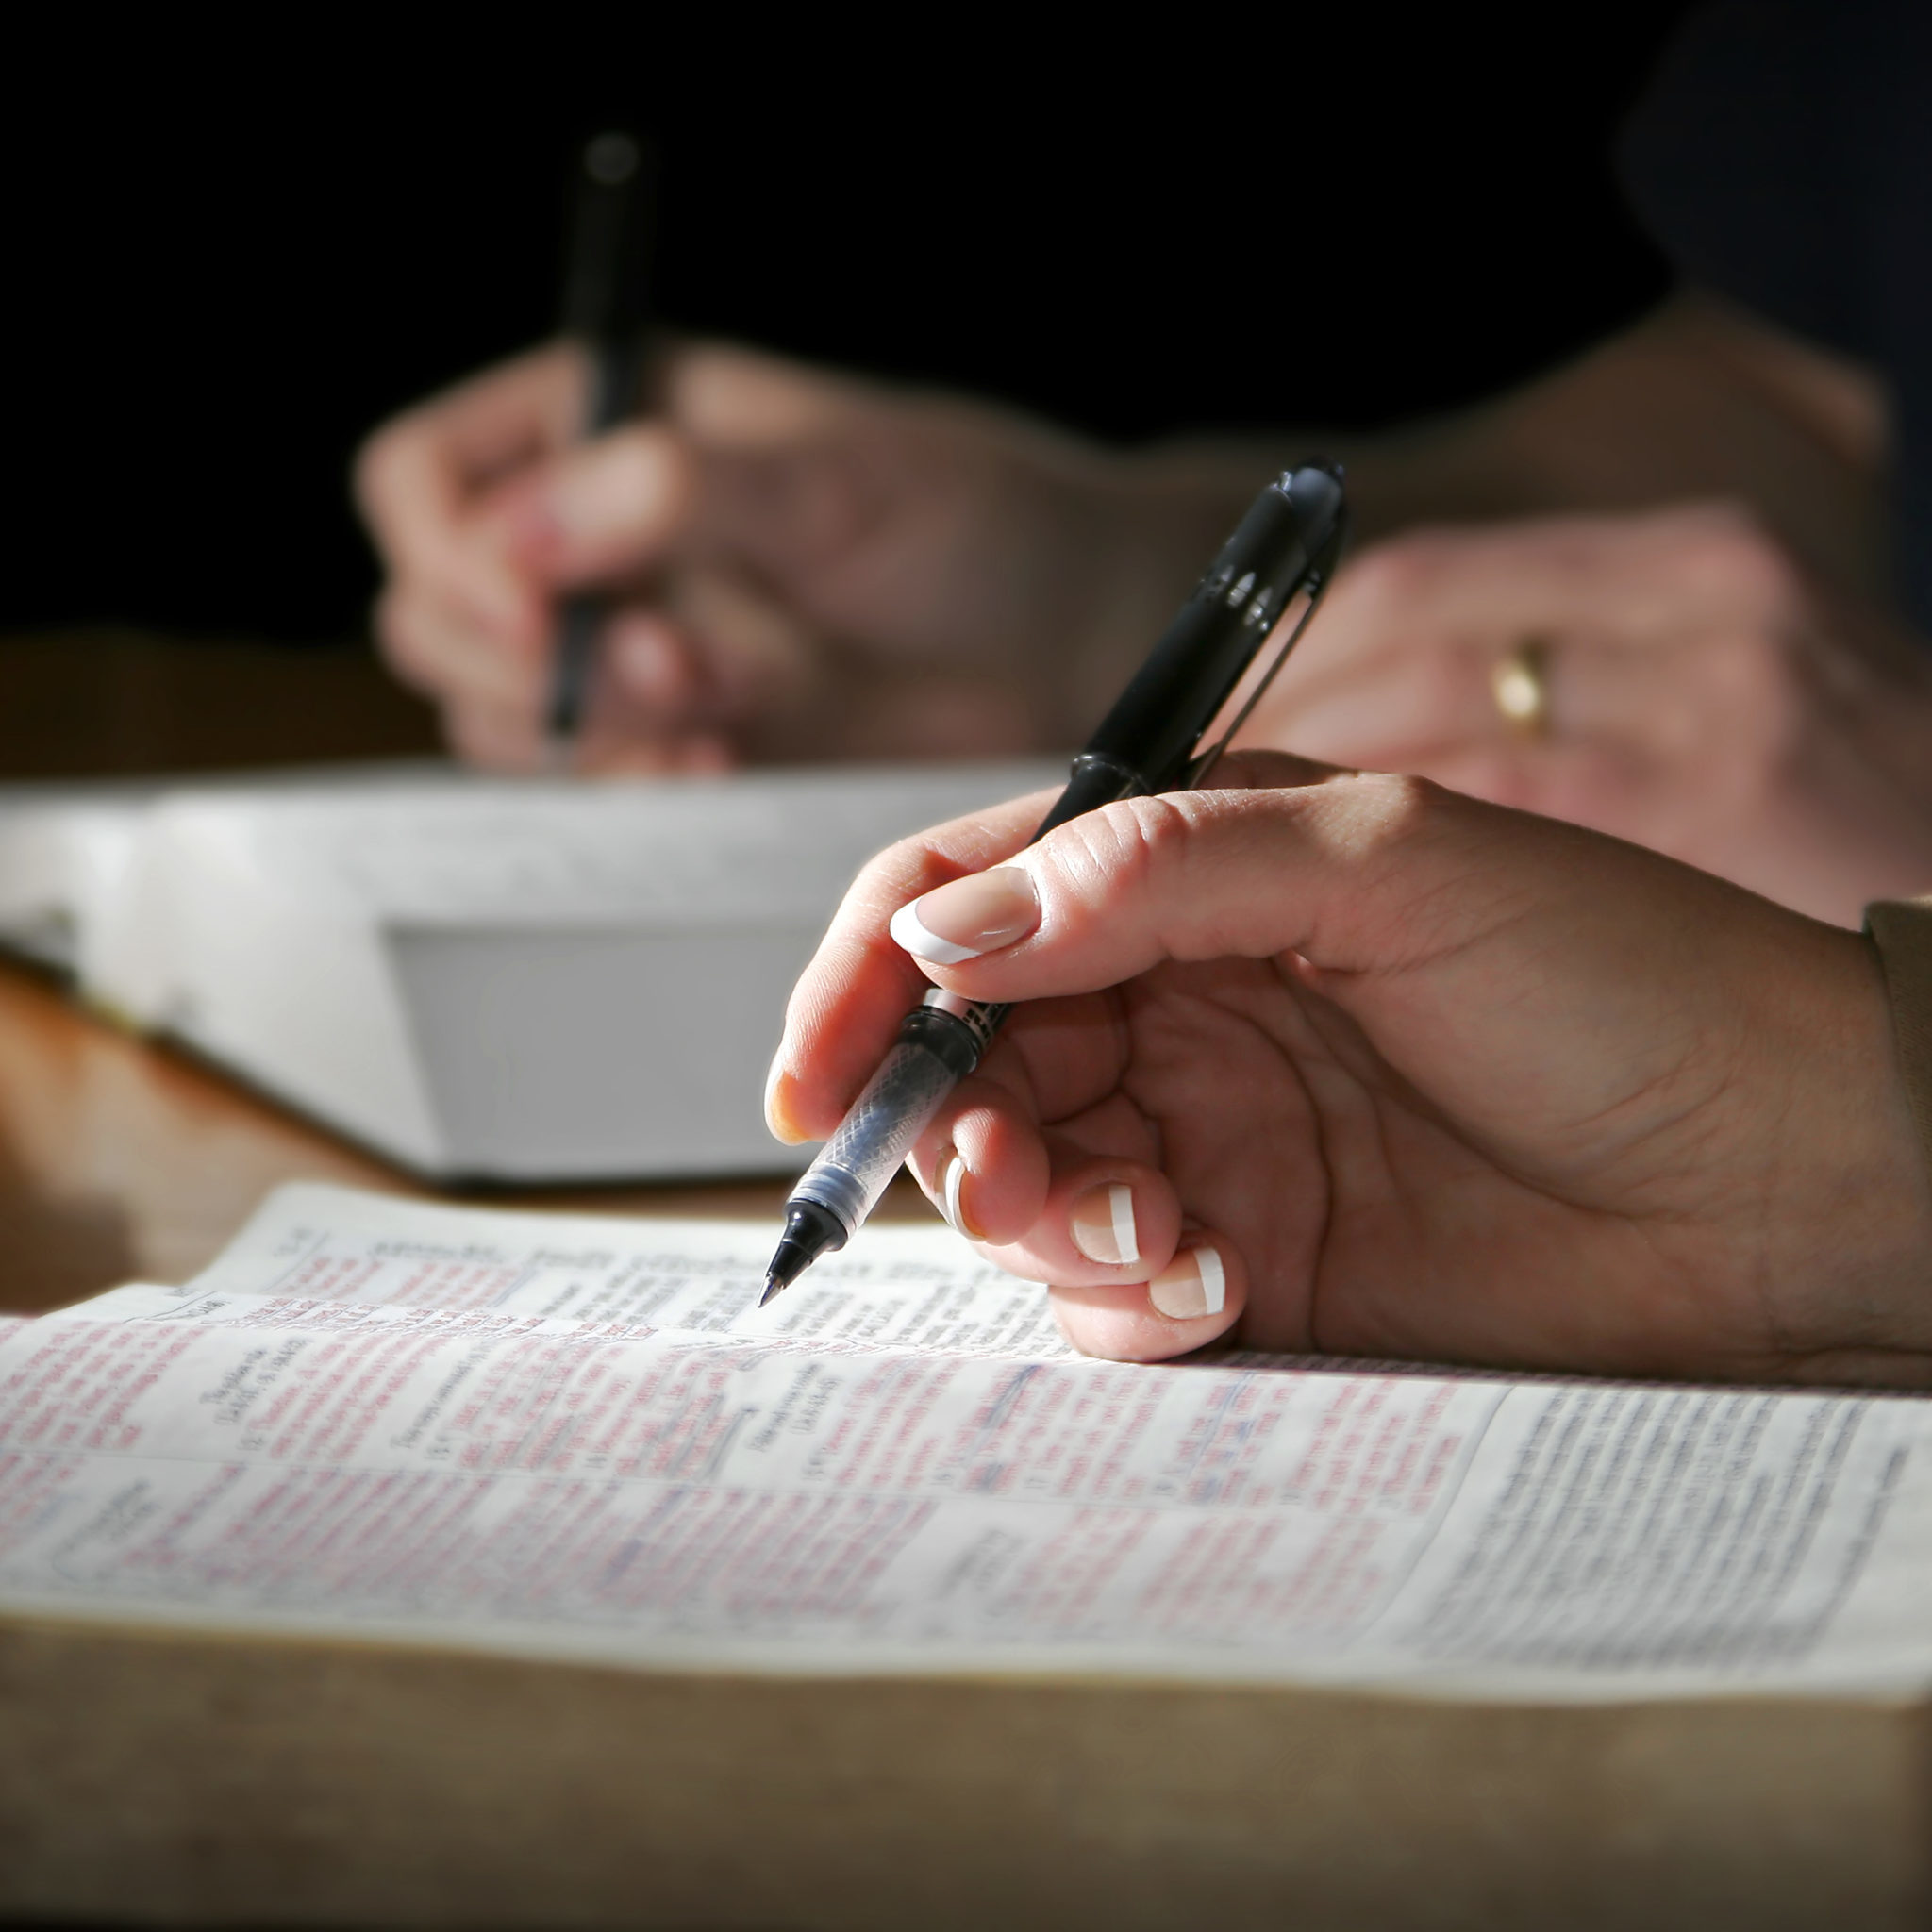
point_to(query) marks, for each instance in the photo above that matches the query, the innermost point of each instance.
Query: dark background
(227, 259)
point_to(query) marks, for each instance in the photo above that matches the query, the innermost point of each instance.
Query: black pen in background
(607, 308)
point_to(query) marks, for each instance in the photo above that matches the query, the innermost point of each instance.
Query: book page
(906, 1286)
(60, 863)
(495, 1478)
(765, 848)
(66, 845)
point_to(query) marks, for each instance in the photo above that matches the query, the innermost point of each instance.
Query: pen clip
(1255, 680)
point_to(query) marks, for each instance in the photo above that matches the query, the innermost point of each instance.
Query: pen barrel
(579, 624)
(933, 1052)
(617, 382)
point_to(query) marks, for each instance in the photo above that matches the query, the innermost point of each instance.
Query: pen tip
(810, 1232)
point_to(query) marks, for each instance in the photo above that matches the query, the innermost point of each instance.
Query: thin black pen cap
(613, 218)
(1153, 728)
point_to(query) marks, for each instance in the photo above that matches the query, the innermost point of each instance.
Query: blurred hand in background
(1673, 678)
(800, 565)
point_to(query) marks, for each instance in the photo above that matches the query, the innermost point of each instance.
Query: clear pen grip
(858, 1164)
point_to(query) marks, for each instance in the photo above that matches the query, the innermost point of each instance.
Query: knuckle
(374, 464)
(1392, 809)
(1131, 855)
(1742, 567)
(381, 466)
(1129, 844)
(907, 860)
(1375, 824)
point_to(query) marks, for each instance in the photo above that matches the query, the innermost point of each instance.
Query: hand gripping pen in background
(1163, 735)
(607, 308)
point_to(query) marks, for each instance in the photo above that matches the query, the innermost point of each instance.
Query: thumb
(598, 511)
(1526, 978)
(622, 504)
(1350, 872)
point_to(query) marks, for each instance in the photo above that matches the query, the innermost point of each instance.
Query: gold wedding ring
(1520, 684)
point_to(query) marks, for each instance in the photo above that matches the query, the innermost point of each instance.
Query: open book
(579, 1438)
(487, 979)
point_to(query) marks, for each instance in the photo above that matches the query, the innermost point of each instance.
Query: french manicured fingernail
(1102, 1225)
(952, 1180)
(1194, 1283)
(968, 917)
(775, 1118)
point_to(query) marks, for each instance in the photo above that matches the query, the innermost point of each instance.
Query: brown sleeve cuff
(1901, 931)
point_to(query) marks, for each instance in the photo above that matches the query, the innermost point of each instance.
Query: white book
(579, 1438)
(489, 980)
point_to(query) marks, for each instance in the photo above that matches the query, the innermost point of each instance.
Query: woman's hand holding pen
(1674, 678)
(798, 563)
(1347, 1063)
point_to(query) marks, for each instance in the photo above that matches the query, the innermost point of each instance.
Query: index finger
(849, 1001)
(416, 475)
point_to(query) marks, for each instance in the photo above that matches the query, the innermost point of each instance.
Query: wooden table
(122, 1161)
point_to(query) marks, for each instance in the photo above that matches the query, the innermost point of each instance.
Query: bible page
(919, 1287)
(492, 1476)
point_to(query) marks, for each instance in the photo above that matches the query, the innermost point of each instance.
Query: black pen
(1163, 735)
(607, 308)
